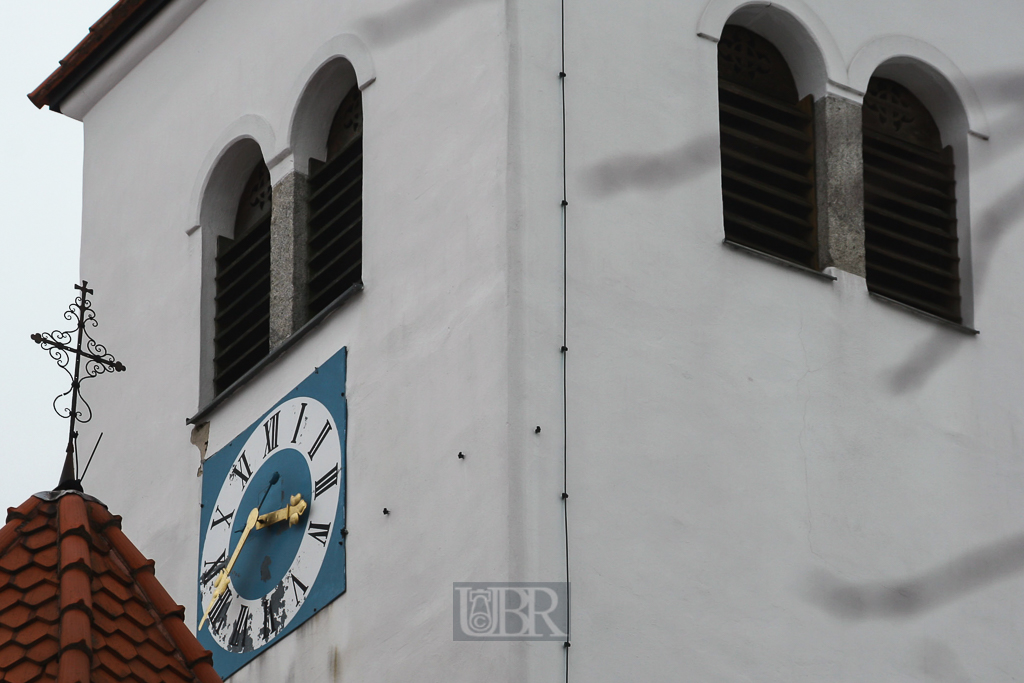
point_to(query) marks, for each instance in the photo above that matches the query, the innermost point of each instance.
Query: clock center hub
(268, 553)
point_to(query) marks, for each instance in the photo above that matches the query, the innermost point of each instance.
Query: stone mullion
(288, 259)
(840, 184)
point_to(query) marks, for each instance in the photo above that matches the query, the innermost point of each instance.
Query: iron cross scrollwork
(90, 360)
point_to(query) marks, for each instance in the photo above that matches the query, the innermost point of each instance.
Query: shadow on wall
(399, 23)
(987, 232)
(911, 597)
(658, 171)
(925, 358)
(665, 169)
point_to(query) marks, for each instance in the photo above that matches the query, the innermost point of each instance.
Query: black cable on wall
(565, 350)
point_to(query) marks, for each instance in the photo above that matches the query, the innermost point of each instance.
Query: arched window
(242, 318)
(767, 140)
(910, 235)
(336, 208)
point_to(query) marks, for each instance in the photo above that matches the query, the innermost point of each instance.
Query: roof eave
(111, 32)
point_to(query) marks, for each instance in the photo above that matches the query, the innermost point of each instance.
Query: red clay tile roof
(79, 602)
(108, 34)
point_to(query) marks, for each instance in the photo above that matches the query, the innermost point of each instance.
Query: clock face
(287, 471)
(294, 451)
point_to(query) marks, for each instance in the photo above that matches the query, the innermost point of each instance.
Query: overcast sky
(41, 191)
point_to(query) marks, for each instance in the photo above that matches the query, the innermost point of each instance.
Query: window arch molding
(794, 29)
(316, 110)
(931, 75)
(333, 69)
(223, 182)
(328, 153)
(312, 240)
(227, 155)
(952, 115)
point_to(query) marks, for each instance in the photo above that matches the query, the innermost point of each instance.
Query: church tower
(538, 340)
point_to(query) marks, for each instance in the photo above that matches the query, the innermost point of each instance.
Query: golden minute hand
(221, 583)
(295, 509)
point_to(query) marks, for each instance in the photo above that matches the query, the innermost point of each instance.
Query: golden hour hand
(295, 509)
(220, 584)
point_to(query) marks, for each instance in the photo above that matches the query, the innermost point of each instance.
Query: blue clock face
(285, 473)
(272, 525)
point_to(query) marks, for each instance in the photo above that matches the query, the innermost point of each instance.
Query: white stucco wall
(427, 338)
(745, 442)
(744, 438)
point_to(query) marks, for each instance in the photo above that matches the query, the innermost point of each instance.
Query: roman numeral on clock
(212, 567)
(270, 624)
(241, 626)
(270, 429)
(298, 423)
(219, 613)
(297, 586)
(242, 469)
(223, 518)
(324, 483)
(320, 439)
(320, 532)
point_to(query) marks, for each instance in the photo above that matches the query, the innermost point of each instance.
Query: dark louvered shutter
(242, 322)
(909, 203)
(336, 209)
(767, 139)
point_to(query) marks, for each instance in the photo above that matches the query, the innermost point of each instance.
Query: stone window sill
(275, 354)
(963, 329)
(775, 259)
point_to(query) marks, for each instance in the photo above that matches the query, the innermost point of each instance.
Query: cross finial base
(68, 480)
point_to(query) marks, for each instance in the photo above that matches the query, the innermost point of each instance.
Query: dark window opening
(336, 208)
(767, 142)
(242, 320)
(910, 238)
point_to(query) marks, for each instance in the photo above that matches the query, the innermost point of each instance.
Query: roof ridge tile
(101, 517)
(9, 534)
(75, 572)
(144, 572)
(172, 615)
(23, 510)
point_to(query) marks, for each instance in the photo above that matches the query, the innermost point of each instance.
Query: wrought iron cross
(92, 360)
